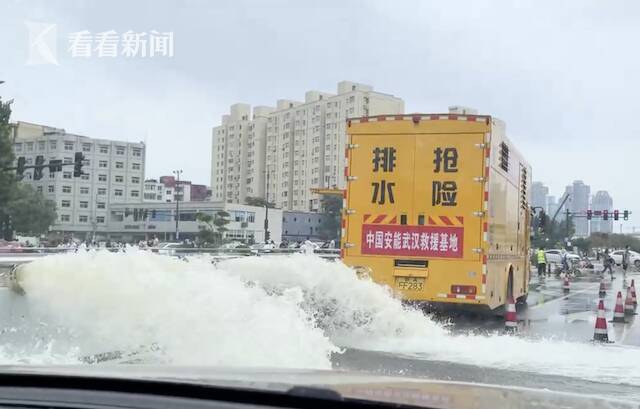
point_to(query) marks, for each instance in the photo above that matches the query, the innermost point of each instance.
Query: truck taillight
(463, 289)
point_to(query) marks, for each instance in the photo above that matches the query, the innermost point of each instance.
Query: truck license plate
(410, 283)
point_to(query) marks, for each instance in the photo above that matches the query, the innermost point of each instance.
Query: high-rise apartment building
(539, 193)
(602, 201)
(296, 146)
(238, 154)
(579, 195)
(113, 173)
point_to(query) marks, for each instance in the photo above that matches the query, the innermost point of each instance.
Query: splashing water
(279, 311)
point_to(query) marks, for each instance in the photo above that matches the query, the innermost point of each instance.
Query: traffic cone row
(511, 318)
(600, 333)
(603, 291)
(618, 312)
(565, 284)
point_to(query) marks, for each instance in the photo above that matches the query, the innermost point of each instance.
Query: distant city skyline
(600, 200)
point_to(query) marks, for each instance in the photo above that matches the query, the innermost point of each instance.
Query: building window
(86, 147)
(135, 193)
(119, 165)
(136, 152)
(100, 205)
(51, 189)
(53, 145)
(135, 179)
(102, 178)
(68, 146)
(102, 191)
(42, 145)
(118, 192)
(85, 176)
(84, 204)
(119, 178)
(66, 175)
(83, 218)
(119, 150)
(65, 218)
(100, 219)
(135, 166)
(39, 189)
(67, 160)
(104, 149)
(66, 189)
(84, 190)
(65, 203)
(102, 164)
(29, 146)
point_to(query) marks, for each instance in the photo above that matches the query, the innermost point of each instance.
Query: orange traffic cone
(565, 284)
(633, 293)
(618, 312)
(629, 308)
(603, 291)
(600, 334)
(511, 318)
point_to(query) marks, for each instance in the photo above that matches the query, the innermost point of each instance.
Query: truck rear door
(449, 192)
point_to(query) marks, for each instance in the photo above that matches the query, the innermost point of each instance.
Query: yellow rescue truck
(437, 207)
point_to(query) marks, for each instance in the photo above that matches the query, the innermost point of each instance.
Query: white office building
(113, 173)
(142, 221)
(296, 146)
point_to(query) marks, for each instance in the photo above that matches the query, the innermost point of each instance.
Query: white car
(555, 256)
(634, 256)
(168, 249)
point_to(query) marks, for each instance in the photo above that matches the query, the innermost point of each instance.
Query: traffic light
(77, 164)
(605, 215)
(625, 215)
(37, 171)
(55, 165)
(589, 214)
(616, 215)
(542, 219)
(20, 167)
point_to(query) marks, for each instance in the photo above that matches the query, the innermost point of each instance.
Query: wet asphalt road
(571, 316)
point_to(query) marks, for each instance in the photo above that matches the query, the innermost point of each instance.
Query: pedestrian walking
(607, 262)
(626, 258)
(541, 257)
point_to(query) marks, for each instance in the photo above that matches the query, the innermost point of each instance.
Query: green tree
(213, 227)
(258, 201)
(21, 207)
(31, 213)
(331, 207)
(7, 178)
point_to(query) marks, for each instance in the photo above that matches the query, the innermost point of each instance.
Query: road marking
(571, 294)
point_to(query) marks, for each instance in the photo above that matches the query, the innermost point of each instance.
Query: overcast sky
(563, 75)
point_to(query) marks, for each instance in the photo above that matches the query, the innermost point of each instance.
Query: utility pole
(568, 214)
(177, 196)
(267, 236)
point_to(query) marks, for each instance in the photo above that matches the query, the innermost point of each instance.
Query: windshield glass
(410, 189)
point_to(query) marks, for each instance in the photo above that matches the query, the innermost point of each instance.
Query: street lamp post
(177, 196)
(266, 212)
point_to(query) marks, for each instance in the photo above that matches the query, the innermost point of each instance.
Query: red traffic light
(616, 215)
(589, 214)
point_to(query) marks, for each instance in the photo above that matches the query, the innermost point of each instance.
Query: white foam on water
(197, 315)
(280, 311)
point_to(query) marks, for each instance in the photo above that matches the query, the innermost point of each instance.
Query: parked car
(634, 256)
(555, 256)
